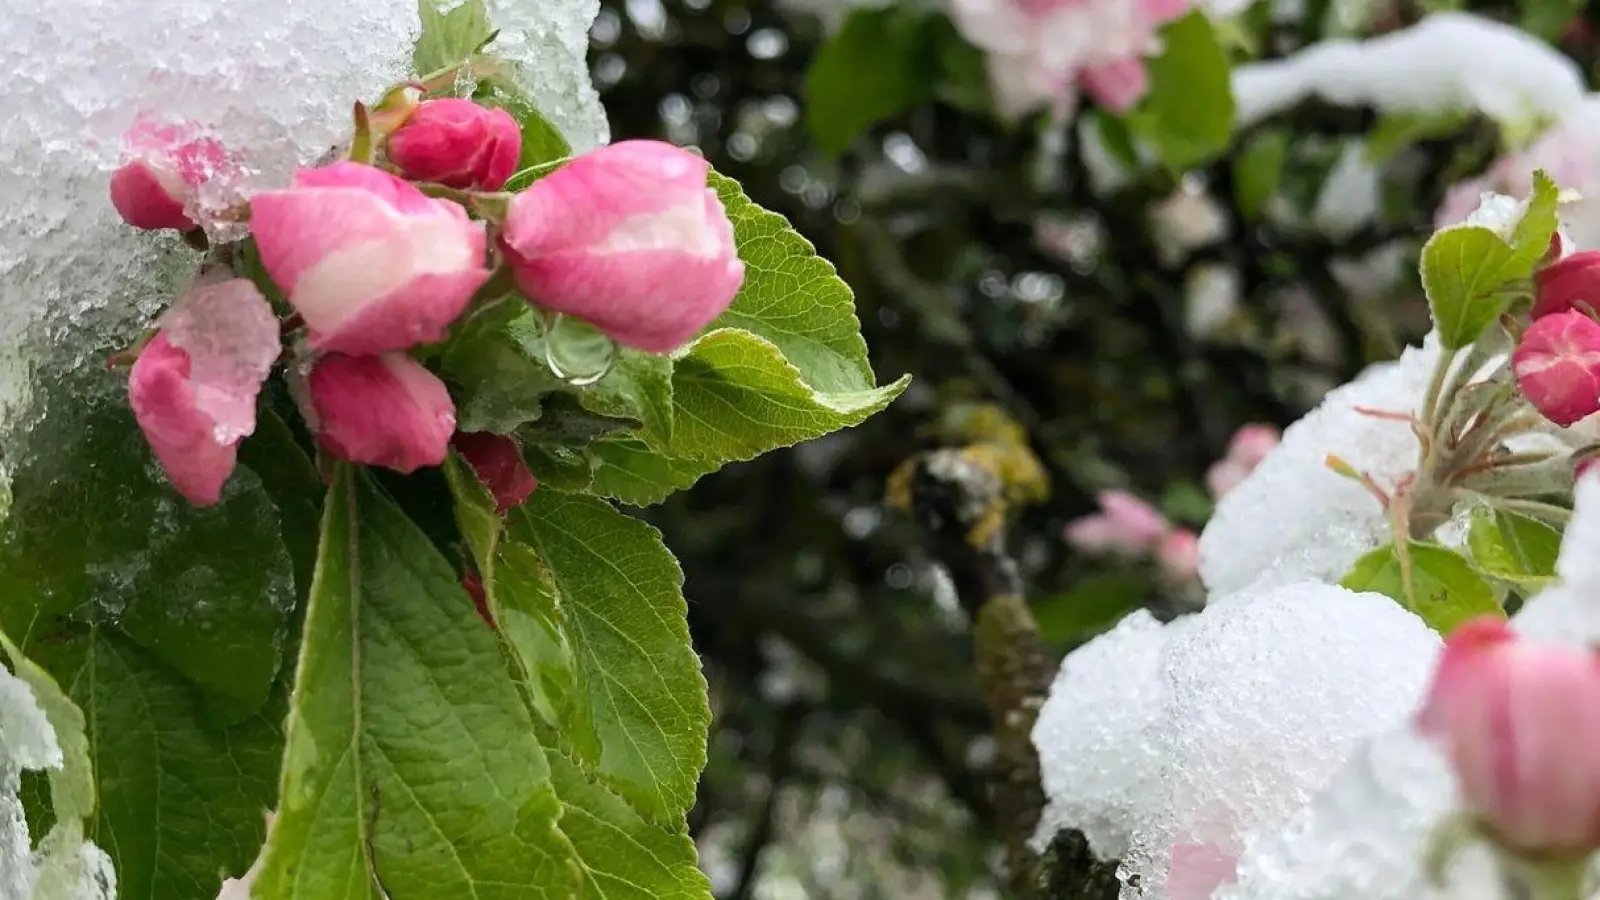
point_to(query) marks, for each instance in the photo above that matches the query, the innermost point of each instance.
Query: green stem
(1550, 879)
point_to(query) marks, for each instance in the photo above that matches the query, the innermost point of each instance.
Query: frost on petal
(1365, 835)
(1293, 519)
(1266, 694)
(1449, 61)
(231, 336)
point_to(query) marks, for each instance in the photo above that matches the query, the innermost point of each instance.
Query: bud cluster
(378, 254)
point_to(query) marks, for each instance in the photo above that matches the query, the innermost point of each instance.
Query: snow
(1294, 519)
(62, 866)
(1230, 719)
(1448, 62)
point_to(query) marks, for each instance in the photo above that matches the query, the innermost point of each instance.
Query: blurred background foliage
(1129, 324)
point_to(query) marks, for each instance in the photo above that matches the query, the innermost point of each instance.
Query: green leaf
(1092, 606)
(97, 535)
(738, 397)
(1514, 548)
(1444, 589)
(531, 620)
(449, 38)
(793, 297)
(641, 716)
(1257, 170)
(1469, 271)
(624, 857)
(1399, 131)
(1188, 113)
(638, 386)
(879, 63)
(182, 802)
(411, 769)
(71, 786)
(633, 473)
(494, 363)
(290, 478)
(1547, 18)
(561, 468)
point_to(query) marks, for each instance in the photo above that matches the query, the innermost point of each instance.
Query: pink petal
(182, 436)
(384, 410)
(497, 461)
(149, 196)
(1116, 86)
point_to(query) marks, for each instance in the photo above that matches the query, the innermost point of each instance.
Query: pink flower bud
(1558, 366)
(1252, 444)
(161, 171)
(371, 263)
(497, 461)
(459, 144)
(193, 388)
(1179, 555)
(630, 239)
(1567, 282)
(1520, 723)
(1197, 871)
(1117, 86)
(1224, 476)
(1125, 525)
(383, 410)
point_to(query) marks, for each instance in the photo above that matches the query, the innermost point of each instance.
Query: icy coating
(1228, 720)
(231, 336)
(1294, 519)
(273, 81)
(62, 867)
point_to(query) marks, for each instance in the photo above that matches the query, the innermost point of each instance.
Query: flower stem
(1550, 879)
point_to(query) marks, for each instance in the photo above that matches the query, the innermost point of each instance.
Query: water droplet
(576, 352)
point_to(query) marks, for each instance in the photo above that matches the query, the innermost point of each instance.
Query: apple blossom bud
(1118, 85)
(1178, 555)
(1197, 871)
(1567, 282)
(629, 239)
(1251, 444)
(193, 388)
(1124, 525)
(1520, 723)
(1557, 365)
(371, 263)
(383, 410)
(497, 461)
(163, 167)
(457, 143)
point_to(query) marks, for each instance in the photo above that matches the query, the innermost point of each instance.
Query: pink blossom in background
(1197, 870)
(457, 143)
(629, 238)
(1249, 447)
(1569, 153)
(386, 410)
(1557, 366)
(163, 167)
(1178, 555)
(370, 262)
(1520, 722)
(497, 461)
(1040, 50)
(193, 388)
(1125, 525)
